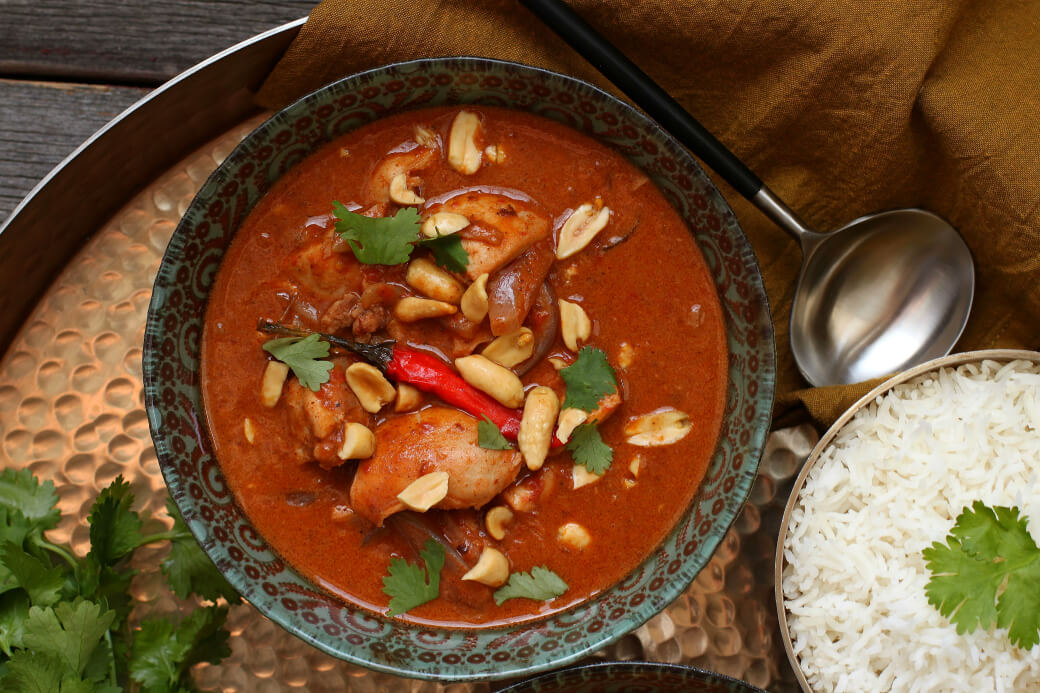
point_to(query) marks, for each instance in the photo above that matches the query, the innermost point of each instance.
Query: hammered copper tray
(71, 410)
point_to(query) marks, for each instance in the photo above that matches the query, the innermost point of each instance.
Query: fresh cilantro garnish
(541, 584)
(65, 621)
(28, 502)
(14, 612)
(391, 240)
(588, 379)
(70, 633)
(408, 585)
(448, 252)
(42, 581)
(302, 355)
(378, 240)
(115, 529)
(987, 573)
(163, 653)
(489, 437)
(188, 569)
(588, 449)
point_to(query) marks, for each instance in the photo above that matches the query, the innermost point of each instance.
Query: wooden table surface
(69, 66)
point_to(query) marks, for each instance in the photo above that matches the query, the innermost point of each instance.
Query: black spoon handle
(645, 93)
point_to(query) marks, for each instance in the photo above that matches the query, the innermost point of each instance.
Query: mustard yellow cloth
(842, 107)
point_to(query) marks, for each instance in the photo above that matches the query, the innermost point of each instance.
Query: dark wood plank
(128, 41)
(41, 123)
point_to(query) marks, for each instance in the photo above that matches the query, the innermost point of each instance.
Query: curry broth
(649, 294)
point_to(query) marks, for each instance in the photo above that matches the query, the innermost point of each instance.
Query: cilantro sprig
(391, 240)
(303, 355)
(541, 584)
(490, 437)
(448, 252)
(64, 621)
(587, 448)
(988, 572)
(408, 585)
(589, 379)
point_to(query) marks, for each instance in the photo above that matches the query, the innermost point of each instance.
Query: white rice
(892, 482)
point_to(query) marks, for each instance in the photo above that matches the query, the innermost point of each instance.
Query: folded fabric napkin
(841, 107)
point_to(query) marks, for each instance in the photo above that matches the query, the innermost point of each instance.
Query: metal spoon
(883, 293)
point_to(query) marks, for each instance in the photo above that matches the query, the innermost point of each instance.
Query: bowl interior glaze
(178, 423)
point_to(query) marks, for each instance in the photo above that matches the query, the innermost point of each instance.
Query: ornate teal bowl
(185, 451)
(631, 677)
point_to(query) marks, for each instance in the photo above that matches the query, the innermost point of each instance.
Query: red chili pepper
(427, 373)
(430, 374)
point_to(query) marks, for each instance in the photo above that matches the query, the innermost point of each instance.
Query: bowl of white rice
(888, 479)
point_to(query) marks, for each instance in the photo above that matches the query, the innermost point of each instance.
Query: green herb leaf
(35, 503)
(541, 584)
(162, 654)
(985, 547)
(115, 529)
(378, 240)
(189, 570)
(448, 252)
(302, 355)
(490, 437)
(588, 449)
(31, 672)
(14, 612)
(14, 526)
(43, 583)
(69, 633)
(107, 585)
(589, 379)
(408, 585)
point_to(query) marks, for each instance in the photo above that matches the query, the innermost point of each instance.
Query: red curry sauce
(654, 311)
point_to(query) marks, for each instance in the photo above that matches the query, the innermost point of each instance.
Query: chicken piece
(322, 272)
(525, 495)
(341, 314)
(407, 159)
(350, 313)
(316, 419)
(501, 227)
(607, 405)
(431, 440)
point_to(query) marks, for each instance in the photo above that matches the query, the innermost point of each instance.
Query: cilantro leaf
(163, 654)
(106, 585)
(42, 582)
(14, 526)
(588, 449)
(31, 672)
(34, 502)
(489, 437)
(302, 355)
(448, 252)
(378, 240)
(14, 611)
(115, 529)
(588, 379)
(540, 584)
(988, 548)
(69, 632)
(189, 570)
(408, 585)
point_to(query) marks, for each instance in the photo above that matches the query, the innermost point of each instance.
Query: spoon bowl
(881, 294)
